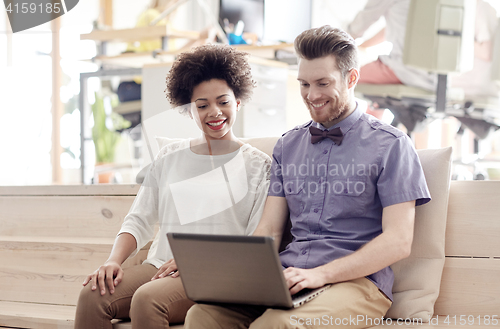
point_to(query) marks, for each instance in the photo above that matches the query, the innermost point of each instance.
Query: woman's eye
(202, 106)
(225, 102)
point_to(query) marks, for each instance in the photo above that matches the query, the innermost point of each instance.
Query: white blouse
(191, 193)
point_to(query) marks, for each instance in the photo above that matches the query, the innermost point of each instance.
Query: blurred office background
(40, 86)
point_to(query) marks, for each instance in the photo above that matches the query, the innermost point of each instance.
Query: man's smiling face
(324, 91)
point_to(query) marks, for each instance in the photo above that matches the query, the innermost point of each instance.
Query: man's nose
(313, 94)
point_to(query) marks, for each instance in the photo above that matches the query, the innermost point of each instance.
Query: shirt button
(304, 252)
(325, 151)
(316, 210)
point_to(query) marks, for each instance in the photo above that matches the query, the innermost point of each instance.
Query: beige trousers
(352, 304)
(149, 304)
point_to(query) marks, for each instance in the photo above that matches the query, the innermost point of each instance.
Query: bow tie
(318, 135)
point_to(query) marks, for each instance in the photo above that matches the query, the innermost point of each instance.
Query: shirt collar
(346, 124)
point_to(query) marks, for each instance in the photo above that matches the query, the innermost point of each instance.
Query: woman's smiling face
(214, 107)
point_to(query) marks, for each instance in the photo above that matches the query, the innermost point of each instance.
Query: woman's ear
(238, 105)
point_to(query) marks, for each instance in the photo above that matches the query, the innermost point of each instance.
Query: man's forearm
(386, 249)
(372, 257)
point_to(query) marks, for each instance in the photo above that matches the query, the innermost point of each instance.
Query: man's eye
(304, 84)
(323, 84)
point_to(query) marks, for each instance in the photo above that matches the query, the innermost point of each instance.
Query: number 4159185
(464, 320)
(32, 8)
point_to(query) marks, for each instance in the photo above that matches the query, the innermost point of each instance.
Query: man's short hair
(326, 40)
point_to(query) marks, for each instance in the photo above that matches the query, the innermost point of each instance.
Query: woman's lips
(217, 125)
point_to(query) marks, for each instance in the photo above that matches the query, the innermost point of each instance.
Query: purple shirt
(336, 193)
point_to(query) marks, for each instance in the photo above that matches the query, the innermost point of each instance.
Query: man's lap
(348, 304)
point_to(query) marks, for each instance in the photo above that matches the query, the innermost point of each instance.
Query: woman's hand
(110, 273)
(169, 268)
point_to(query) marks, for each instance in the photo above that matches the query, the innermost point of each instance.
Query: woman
(210, 184)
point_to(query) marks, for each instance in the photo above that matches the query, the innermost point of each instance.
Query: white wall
(337, 13)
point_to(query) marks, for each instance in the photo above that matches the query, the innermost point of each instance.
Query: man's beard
(340, 109)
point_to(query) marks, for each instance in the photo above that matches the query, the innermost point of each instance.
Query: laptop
(234, 269)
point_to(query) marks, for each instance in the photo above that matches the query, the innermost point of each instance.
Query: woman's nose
(215, 111)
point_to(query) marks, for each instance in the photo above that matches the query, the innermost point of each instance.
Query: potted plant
(104, 133)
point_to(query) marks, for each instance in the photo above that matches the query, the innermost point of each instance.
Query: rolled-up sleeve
(401, 175)
(373, 10)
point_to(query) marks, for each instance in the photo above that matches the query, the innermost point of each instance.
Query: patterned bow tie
(318, 135)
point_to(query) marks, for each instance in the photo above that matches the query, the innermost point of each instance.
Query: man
(350, 197)
(389, 69)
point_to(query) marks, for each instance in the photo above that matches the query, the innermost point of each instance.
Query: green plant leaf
(105, 140)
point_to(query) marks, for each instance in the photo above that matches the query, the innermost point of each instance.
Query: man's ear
(353, 78)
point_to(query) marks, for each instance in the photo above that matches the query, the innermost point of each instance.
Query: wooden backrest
(51, 237)
(470, 284)
(64, 211)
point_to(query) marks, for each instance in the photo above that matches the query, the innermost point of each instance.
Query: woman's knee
(148, 309)
(199, 316)
(92, 310)
(164, 297)
(142, 301)
(92, 301)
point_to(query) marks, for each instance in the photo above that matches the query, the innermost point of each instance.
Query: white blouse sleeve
(143, 215)
(260, 198)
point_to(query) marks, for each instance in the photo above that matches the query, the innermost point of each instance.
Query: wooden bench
(52, 236)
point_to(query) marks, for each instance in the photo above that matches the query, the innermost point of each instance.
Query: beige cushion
(265, 144)
(418, 277)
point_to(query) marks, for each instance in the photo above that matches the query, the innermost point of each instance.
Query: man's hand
(298, 279)
(111, 273)
(166, 269)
